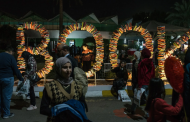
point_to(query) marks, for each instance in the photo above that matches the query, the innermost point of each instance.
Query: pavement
(101, 109)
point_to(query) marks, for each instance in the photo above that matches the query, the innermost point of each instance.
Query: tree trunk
(60, 16)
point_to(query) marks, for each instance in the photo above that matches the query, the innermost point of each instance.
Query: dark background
(101, 8)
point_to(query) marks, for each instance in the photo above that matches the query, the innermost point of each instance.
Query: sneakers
(28, 97)
(31, 107)
(6, 117)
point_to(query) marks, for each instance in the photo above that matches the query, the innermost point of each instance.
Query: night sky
(101, 8)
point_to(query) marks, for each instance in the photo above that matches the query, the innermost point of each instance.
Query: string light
(98, 39)
(39, 50)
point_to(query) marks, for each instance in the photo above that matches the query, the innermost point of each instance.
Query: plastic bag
(137, 96)
(23, 87)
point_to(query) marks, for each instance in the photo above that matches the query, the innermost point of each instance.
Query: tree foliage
(180, 14)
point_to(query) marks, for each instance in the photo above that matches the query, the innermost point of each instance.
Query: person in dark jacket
(65, 89)
(31, 69)
(122, 76)
(63, 51)
(8, 68)
(159, 110)
(127, 59)
(136, 61)
(186, 93)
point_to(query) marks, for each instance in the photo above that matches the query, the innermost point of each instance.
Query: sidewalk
(102, 88)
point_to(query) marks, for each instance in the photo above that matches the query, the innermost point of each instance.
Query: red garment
(163, 111)
(146, 71)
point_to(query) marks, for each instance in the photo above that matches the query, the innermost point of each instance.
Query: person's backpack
(81, 79)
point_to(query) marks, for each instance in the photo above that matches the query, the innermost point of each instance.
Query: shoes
(127, 111)
(31, 107)
(10, 115)
(28, 97)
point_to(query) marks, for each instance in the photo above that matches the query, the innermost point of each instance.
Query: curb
(94, 91)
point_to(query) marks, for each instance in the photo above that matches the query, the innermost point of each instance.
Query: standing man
(8, 68)
(63, 51)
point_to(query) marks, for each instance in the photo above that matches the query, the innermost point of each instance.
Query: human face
(122, 64)
(66, 70)
(60, 52)
(84, 47)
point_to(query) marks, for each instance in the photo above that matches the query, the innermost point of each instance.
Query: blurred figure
(122, 56)
(31, 69)
(8, 67)
(186, 93)
(136, 61)
(145, 72)
(159, 110)
(127, 59)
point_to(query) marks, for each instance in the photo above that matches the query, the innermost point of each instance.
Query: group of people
(63, 98)
(143, 76)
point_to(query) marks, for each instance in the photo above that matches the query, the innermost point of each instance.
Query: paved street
(104, 109)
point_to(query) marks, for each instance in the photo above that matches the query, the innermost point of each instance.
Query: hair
(126, 56)
(26, 55)
(24, 73)
(9, 48)
(65, 47)
(156, 90)
(122, 61)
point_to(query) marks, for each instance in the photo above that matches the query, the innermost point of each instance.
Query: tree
(180, 14)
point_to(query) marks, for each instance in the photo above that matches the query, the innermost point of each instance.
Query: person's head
(122, 63)
(63, 49)
(137, 55)
(126, 56)
(145, 53)
(26, 55)
(85, 47)
(187, 57)
(9, 49)
(123, 55)
(23, 74)
(156, 90)
(63, 67)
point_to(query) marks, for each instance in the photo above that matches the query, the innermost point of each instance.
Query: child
(159, 110)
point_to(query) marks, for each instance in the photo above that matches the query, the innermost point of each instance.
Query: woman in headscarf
(60, 90)
(186, 85)
(31, 68)
(136, 61)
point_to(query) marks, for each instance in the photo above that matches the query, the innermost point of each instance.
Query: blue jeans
(134, 106)
(6, 90)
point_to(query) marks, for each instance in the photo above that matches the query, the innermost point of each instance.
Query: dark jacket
(74, 64)
(121, 73)
(8, 67)
(76, 108)
(186, 92)
(134, 74)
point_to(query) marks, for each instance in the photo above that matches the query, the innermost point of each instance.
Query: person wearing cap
(146, 71)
